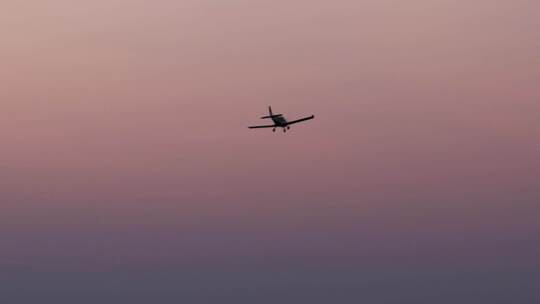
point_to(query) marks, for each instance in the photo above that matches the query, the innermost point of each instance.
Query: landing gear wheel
(274, 130)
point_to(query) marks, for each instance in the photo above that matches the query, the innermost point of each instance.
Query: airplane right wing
(260, 127)
(300, 120)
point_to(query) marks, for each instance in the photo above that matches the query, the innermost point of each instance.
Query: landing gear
(274, 130)
(288, 127)
(284, 130)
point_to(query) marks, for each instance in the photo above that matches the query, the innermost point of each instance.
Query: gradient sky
(127, 173)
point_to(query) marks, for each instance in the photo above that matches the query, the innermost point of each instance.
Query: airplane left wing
(300, 120)
(260, 127)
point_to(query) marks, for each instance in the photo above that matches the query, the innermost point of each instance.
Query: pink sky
(123, 125)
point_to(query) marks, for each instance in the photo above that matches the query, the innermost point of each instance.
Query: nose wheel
(274, 130)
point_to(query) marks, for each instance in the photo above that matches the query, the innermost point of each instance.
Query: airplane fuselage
(280, 121)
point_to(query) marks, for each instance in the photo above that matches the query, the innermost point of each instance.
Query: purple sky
(127, 170)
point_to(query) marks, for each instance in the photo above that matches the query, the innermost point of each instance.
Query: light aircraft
(280, 121)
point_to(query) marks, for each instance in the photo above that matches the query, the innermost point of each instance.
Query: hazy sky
(127, 172)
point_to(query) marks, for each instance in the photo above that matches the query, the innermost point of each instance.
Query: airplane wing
(300, 120)
(260, 127)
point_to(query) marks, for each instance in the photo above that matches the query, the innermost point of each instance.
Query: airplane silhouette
(280, 121)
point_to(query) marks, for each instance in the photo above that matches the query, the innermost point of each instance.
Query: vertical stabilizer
(272, 115)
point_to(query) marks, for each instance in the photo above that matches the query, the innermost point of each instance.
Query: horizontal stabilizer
(271, 116)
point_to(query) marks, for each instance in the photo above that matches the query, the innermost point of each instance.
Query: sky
(127, 173)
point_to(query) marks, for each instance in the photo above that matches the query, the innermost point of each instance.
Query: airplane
(280, 121)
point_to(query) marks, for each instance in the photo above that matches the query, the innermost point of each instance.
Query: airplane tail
(271, 114)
